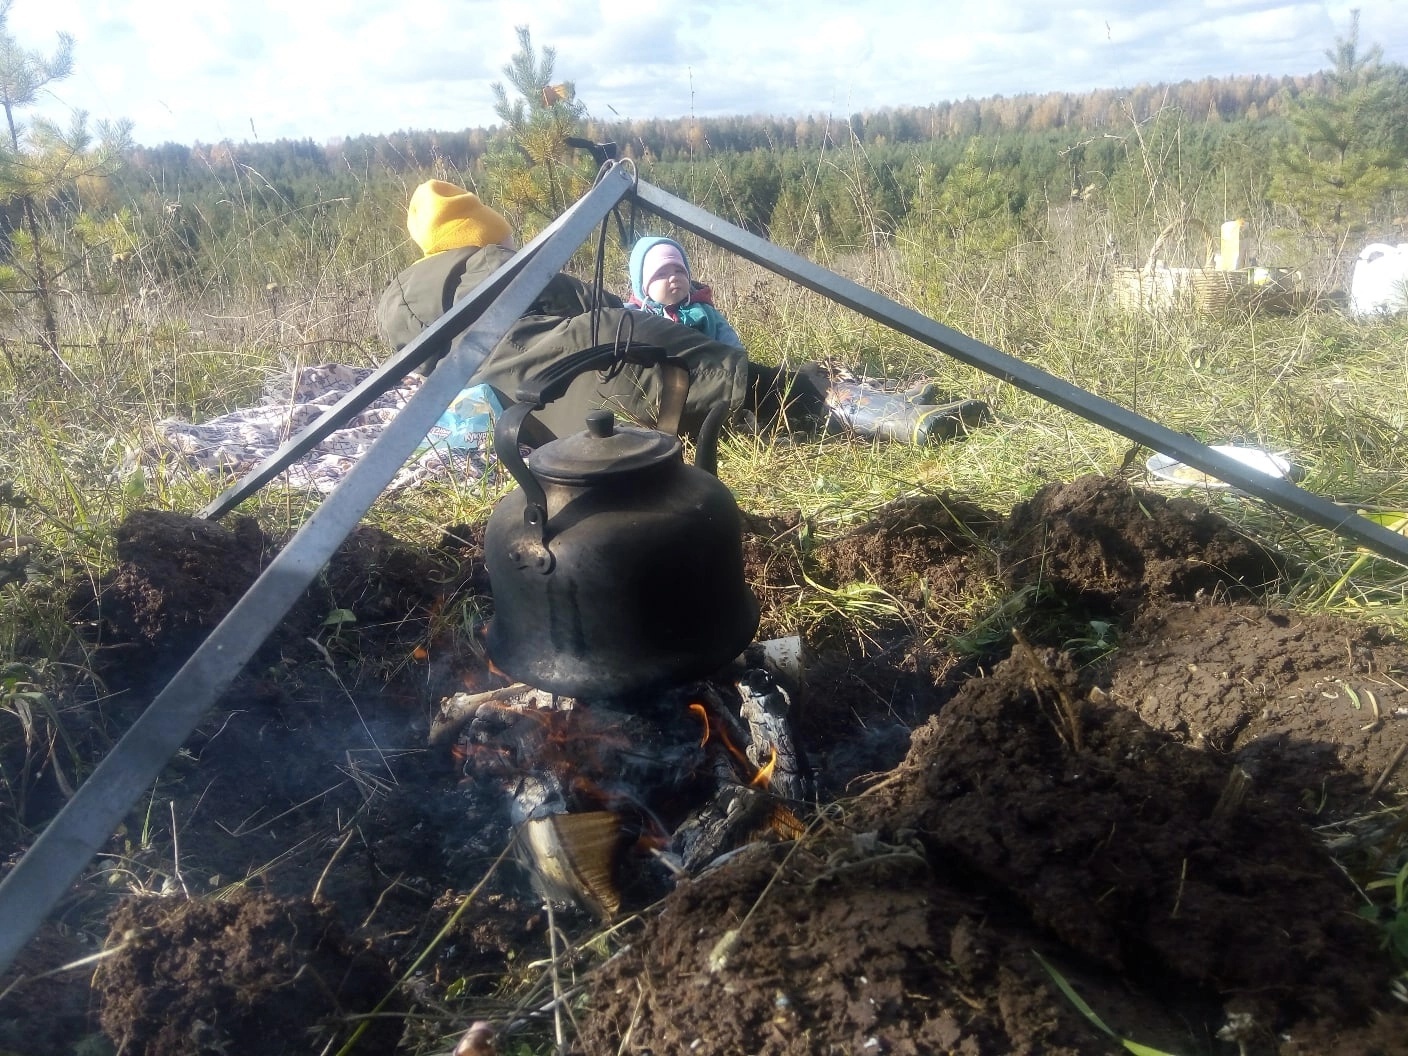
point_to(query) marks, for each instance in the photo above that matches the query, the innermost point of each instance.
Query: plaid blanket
(456, 448)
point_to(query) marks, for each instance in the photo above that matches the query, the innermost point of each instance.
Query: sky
(248, 70)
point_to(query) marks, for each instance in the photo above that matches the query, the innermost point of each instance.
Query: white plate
(1170, 469)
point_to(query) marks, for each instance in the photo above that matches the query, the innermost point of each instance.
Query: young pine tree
(531, 171)
(38, 164)
(971, 208)
(1347, 150)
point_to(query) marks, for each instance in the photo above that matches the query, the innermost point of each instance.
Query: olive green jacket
(560, 322)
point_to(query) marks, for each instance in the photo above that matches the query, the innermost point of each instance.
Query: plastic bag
(467, 424)
(1380, 280)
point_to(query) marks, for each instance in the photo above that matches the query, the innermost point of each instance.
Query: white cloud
(237, 68)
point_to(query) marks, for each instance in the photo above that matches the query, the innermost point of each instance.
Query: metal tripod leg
(1279, 492)
(432, 342)
(71, 839)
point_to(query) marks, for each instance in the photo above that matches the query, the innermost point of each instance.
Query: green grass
(1327, 391)
(141, 347)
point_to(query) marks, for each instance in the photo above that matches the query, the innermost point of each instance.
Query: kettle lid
(601, 451)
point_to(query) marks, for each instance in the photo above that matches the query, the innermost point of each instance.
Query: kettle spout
(706, 449)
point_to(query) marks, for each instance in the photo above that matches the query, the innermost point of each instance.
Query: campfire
(617, 576)
(616, 799)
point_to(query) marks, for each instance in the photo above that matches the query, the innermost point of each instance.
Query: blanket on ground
(457, 448)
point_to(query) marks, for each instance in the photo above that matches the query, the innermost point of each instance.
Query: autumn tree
(38, 164)
(531, 170)
(1347, 148)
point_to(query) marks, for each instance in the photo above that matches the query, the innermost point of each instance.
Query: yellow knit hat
(442, 216)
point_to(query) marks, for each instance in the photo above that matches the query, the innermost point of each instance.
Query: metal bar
(1275, 490)
(431, 342)
(71, 839)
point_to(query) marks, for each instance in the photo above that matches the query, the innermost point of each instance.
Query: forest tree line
(847, 178)
(1210, 100)
(1326, 153)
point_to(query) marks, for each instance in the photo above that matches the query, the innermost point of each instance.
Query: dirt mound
(772, 562)
(1100, 540)
(176, 577)
(1125, 771)
(1311, 708)
(1024, 818)
(221, 975)
(915, 546)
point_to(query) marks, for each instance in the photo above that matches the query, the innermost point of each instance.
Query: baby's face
(670, 285)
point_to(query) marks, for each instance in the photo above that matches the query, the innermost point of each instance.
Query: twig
(318, 887)
(1392, 763)
(523, 1018)
(240, 830)
(92, 958)
(556, 980)
(376, 907)
(635, 1018)
(176, 852)
(1178, 898)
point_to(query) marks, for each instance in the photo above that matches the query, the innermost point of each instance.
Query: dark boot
(873, 413)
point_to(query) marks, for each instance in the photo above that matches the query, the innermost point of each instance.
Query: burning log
(734, 816)
(764, 708)
(573, 858)
(460, 708)
(618, 796)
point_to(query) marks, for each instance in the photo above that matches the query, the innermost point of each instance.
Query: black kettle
(616, 567)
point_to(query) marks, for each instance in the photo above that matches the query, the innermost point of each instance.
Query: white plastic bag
(1379, 285)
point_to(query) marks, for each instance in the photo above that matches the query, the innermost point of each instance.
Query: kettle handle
(552, 381)
(706, 449)
(506, 450)
(549, 384)
(540, 390)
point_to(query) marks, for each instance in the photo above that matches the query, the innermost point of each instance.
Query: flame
(723, 734)
(703, 713)
(582, 751)
(763, 778)
(481, 637)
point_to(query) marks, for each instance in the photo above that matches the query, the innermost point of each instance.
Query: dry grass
(1327, 391)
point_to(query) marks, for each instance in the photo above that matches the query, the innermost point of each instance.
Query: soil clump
(1132, 776)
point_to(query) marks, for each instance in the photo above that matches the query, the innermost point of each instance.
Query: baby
(662, 285)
